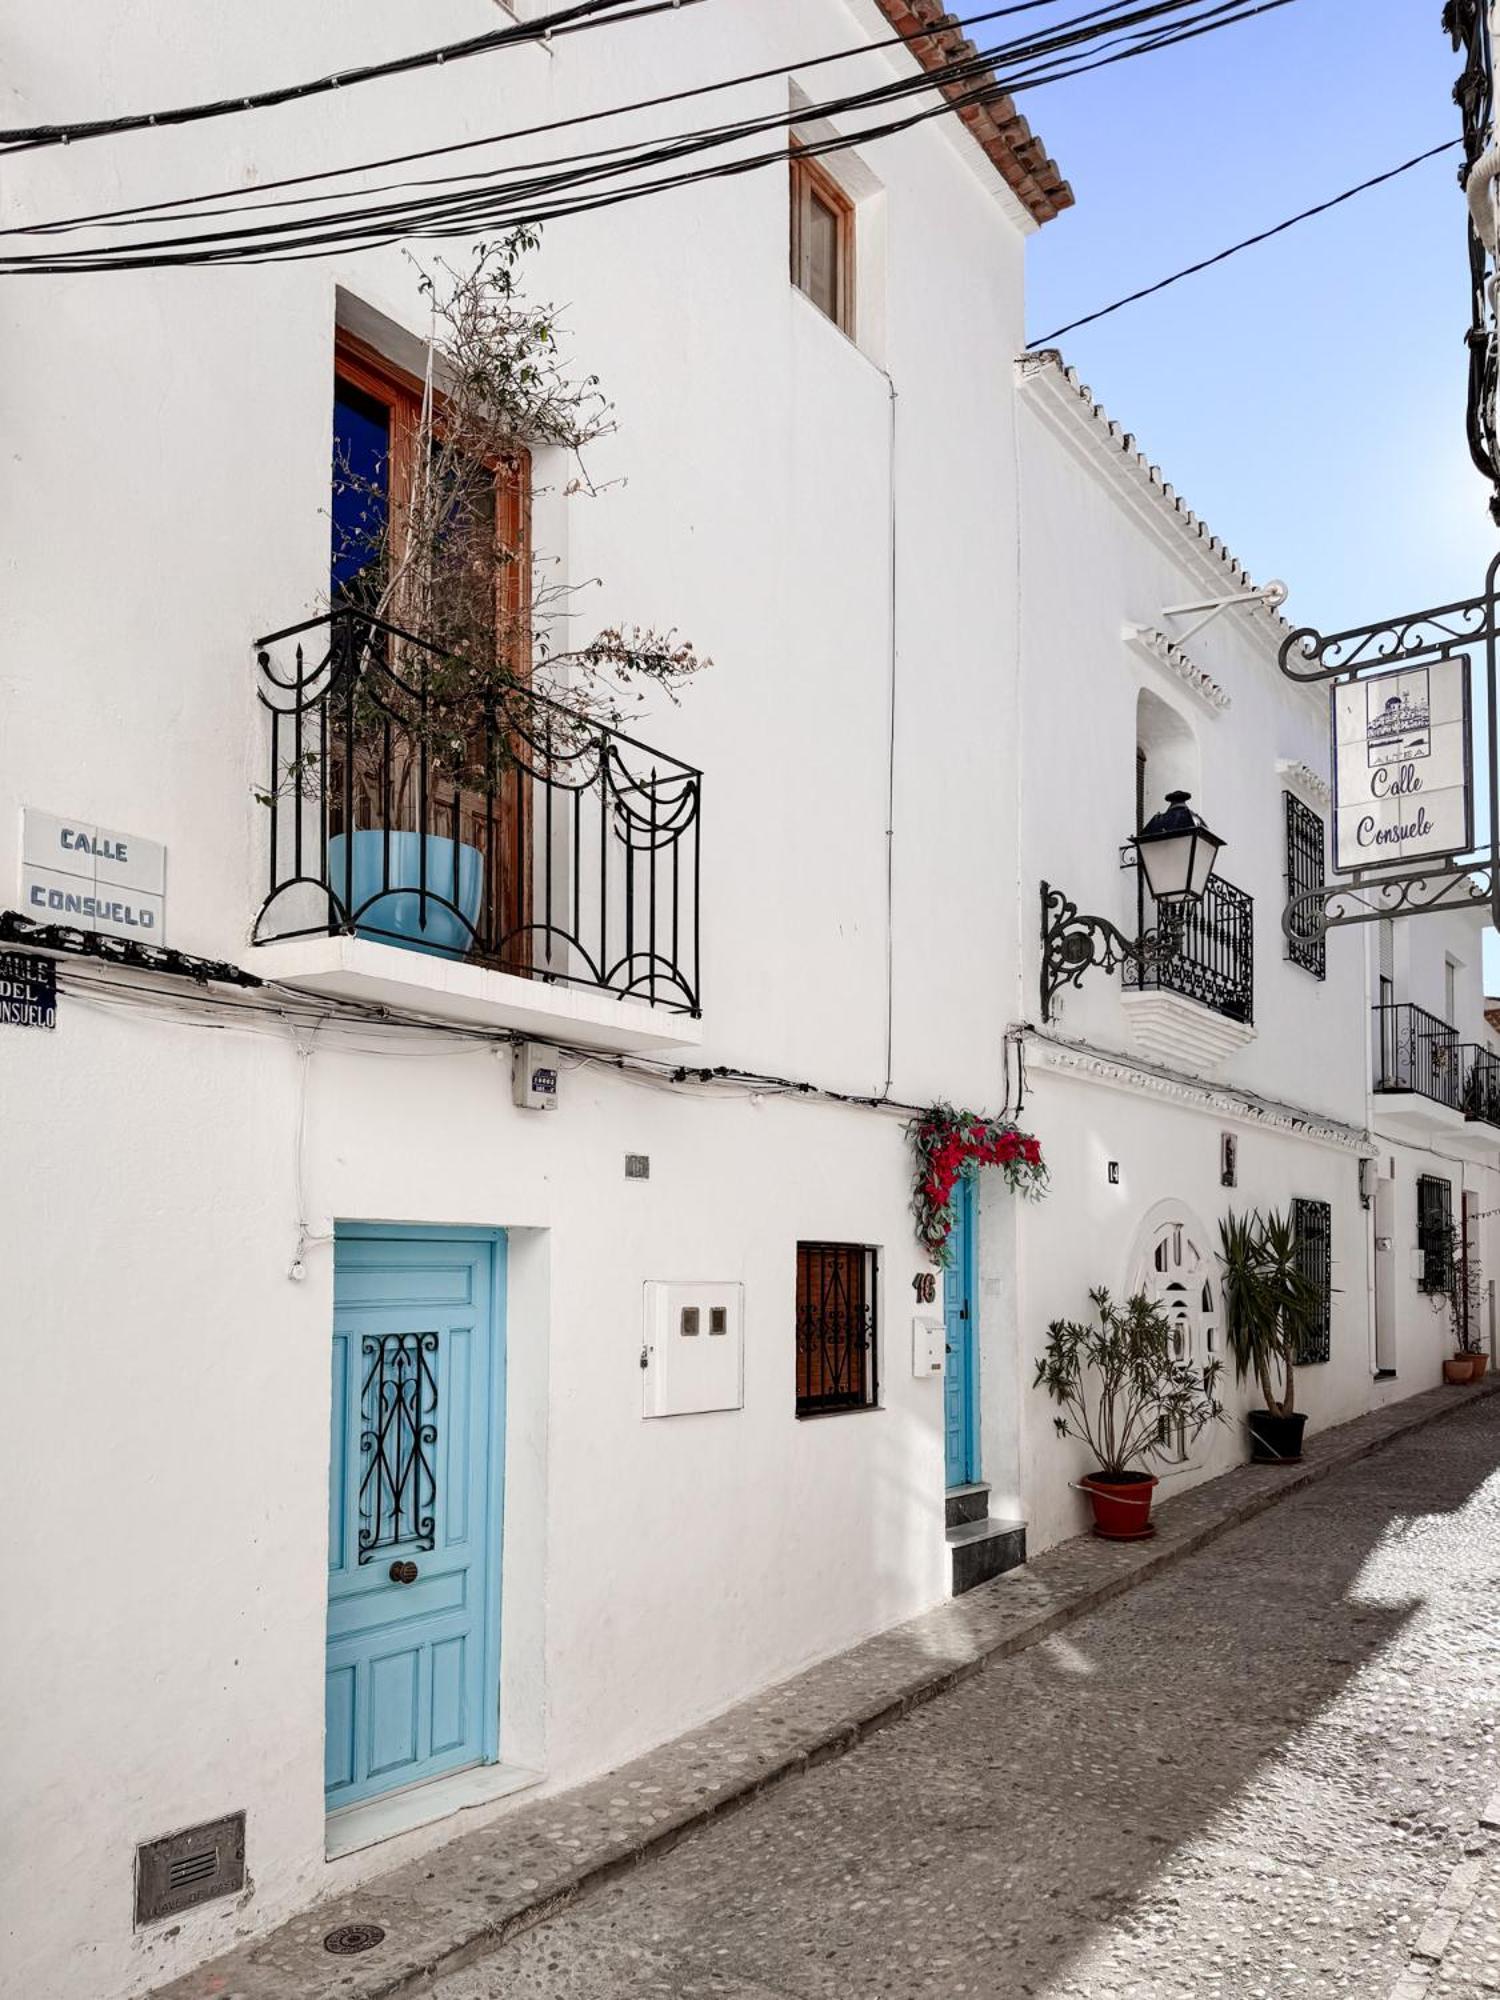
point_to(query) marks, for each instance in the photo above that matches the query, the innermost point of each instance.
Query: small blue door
(961, 1361)
(414, 1509)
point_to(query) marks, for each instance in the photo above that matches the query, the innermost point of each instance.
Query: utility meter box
(929, 1345)
(693, 1353)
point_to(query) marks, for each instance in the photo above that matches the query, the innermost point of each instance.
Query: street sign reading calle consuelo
(1403, 785)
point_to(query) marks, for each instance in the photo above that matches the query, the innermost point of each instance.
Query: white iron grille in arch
(1175, 1270)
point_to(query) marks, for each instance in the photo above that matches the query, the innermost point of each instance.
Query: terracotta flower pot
(1459, 1369)
(1122, 1505)
(1481, 1361)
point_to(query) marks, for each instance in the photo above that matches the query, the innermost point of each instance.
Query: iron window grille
(1313, 1224)
(477, 821)
(398, 1443)
(1206, 950)
(1435, 1233)
(1306, 870)
(837, 1328)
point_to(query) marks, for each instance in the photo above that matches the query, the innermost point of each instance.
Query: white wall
(164, 501)
(1100, 555)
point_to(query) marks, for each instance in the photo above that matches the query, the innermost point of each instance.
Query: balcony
(470, 847)
(1419, 1062)
(1194, 996)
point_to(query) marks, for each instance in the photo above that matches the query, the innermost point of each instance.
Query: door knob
(403, 1572)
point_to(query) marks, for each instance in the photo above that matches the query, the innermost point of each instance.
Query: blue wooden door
(960, 1383)
(414, 1514)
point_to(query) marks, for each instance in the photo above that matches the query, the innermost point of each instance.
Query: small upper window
(823, 241)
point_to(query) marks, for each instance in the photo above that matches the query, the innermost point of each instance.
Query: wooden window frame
(365, 369)
(509, 889)
(808, 179)
(839, 1375)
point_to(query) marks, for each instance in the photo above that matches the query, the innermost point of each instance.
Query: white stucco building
(390, 1448)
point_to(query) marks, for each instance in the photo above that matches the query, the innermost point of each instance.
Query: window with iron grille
(836, 1327)
(1313, 1222)
(1435, 1232)
(1305, 870)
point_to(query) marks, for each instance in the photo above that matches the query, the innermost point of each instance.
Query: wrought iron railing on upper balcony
(1204, 951)
(470, 817)
(1418, 1052)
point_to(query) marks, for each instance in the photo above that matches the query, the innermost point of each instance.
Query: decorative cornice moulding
(1164, 651)
(1090, 1064)
(1300, 777)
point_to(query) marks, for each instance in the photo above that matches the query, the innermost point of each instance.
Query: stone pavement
(1254, 1774)
(1263, 1773)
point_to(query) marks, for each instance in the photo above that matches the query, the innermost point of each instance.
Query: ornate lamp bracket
(1072, 944)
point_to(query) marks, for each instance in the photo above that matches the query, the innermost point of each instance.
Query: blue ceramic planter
(394, 914)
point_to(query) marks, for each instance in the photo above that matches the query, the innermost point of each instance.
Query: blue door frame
(960, 1329)
(416, 1483)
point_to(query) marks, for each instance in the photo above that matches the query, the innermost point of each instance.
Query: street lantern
(1177, 852)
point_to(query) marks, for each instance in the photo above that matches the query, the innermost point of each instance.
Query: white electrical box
(928, 1346)
(693, 1352)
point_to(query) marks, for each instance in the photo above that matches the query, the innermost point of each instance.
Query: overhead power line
(716, 87)
(568, 20)
(587, 182)
(1246, 243)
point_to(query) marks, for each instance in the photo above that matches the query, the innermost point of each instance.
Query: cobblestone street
(1262, 1773)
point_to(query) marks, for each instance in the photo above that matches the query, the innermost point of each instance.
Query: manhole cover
(347, 1939)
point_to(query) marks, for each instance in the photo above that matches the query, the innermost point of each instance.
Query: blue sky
(1307, 397)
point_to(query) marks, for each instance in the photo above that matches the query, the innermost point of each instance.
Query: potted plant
(1269, 1308)
(448, 687)
(1465, 1293)
(1122, 1390)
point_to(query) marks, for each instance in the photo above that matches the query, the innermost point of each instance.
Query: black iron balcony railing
(422, 804)
(1416, 1051)
(1205, 952)
(1481, 1099)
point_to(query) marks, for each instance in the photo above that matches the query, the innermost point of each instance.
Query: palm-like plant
(1270, 1302)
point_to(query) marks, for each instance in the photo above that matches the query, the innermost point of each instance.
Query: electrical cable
(1247, 243)
(544, 197)
(748, 77)
(583, 15)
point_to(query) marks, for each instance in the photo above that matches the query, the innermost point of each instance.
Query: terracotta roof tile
(1018, 156)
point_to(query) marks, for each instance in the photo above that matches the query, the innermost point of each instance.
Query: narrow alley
(1254, 1775)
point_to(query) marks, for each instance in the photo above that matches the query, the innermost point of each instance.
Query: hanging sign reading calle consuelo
(1402, 769)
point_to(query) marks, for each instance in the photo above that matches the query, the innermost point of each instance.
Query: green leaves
(1120, 1384)
(1270, 1303)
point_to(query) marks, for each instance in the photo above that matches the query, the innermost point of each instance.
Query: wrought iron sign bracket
(1444, 632)
(1073, 944)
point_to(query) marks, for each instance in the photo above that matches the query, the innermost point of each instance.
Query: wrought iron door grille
(398, 1443)
(1435, 1232)
(1416, 1051)
(836, 1327)
(1207, 951)
(1313, 1223)
(416, 804)
(1306, 869)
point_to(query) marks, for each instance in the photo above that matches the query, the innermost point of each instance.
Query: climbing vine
(950, 1145)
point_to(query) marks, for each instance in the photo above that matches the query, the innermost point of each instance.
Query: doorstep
(373, 1820)
(537, 1858)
